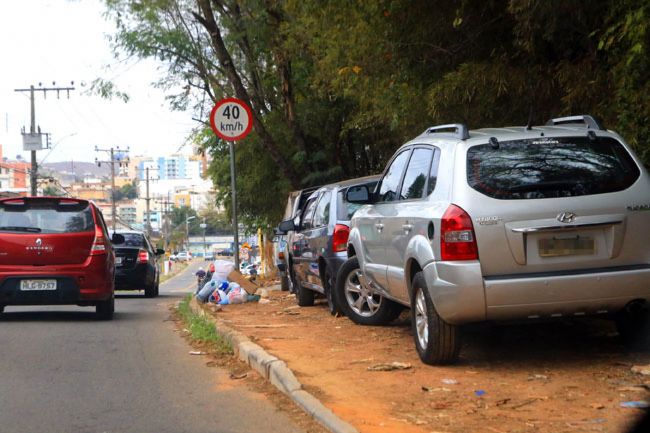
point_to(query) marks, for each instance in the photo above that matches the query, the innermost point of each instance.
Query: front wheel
(436, 341)
(360, 302)
(634, 327)
(304, 296)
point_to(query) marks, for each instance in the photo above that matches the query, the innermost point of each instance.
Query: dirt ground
(555, 377)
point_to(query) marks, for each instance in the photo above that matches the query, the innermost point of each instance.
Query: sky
(45, 41)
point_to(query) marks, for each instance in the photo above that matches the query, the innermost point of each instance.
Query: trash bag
(219, 297)
(222, 268)
(237, 295)
(206, 291)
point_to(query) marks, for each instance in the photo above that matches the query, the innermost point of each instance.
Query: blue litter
(480, 393)
(641, 404)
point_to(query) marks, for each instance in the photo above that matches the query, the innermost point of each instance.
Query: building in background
(14, 176)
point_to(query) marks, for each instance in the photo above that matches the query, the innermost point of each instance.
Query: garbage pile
(214, 287)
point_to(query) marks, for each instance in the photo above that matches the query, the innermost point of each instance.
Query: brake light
(340, 238)
(457, 240)
(143, 256)
(99, 243)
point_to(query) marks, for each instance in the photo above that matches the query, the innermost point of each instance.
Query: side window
(433, 172)
(307, 215)
(322, 214)
(390, 182)
(415, 178)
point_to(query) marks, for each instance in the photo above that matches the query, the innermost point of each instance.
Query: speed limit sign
(231, 119)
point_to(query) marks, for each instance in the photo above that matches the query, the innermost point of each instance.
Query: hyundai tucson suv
(136, 263)
(502, 224)
(319, 241)
(55, 251)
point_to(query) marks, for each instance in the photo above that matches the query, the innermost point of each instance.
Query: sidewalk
(532, 378)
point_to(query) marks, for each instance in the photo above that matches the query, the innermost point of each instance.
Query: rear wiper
(21, 229)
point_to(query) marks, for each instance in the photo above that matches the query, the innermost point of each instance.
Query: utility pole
(112, 162)
(147, 222)
(35, 141)
(165, 223)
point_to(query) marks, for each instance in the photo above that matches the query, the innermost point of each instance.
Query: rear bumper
(462, 295)
(76, 285)
(134, 279)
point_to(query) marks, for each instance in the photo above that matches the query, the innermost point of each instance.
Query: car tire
(150, 291)
(156, 289)
(634, 327)
(304, 296)
(104, 309)
(330, 293)
(436, 341)
(373, 309)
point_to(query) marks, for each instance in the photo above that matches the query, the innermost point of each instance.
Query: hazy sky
(62, 41)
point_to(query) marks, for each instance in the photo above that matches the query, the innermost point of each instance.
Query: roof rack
(460, 130)
(586, 119)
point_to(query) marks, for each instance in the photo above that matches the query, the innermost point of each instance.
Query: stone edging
(276, 371)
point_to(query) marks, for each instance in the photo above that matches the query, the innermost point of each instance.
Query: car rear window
(345, 210)
(46, 216)
(550, 167)
(132, 240)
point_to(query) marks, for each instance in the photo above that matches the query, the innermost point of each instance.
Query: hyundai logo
(566, 217)
(39, 242)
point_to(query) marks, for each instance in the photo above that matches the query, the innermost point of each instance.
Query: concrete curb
(277, 372)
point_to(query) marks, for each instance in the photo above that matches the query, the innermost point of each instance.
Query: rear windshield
(132, 240)
(45, 216)
(345, 210)
(547, 168)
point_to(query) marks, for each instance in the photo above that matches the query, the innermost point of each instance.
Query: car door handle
(407, 227)
(379, 226)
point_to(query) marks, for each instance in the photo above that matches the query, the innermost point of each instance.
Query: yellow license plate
(557, 247)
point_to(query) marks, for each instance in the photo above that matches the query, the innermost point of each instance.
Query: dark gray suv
(502, 224)
(318, 244)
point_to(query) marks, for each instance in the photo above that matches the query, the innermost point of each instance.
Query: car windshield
(132, 240)
(46, 216)
(547, 168)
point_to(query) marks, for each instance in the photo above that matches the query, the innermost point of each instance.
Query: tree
(127, 191)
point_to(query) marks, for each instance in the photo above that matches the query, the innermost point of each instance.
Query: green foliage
(337, 86)
(127, 191)
(201, 329)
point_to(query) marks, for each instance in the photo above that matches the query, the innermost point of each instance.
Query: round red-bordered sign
(231, 119)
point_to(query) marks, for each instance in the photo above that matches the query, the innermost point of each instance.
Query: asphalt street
(63, 371)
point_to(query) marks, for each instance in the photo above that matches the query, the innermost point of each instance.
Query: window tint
(44, 216)
(390, 182)
(433, 172)
(322, 214)
(416, 174)
(554, 167)
(308, 214)
(133, 240)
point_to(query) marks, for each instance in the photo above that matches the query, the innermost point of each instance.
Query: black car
(318, 245)
(136, 264)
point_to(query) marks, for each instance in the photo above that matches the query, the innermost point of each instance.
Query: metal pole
(113, 190)
(148, 225)
(233, 187)
(205, 250)
(32, 130)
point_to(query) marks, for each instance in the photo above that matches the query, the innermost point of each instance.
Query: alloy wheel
(362, 300)
(421, 319)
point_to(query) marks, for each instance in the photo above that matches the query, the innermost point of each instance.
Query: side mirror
(359, 194)
(160, 251)
(117, 239)
(286, 226)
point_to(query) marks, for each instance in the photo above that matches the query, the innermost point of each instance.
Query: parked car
(226, 252)
(55, 251)
(136, 263)
(319, 242)
(502, 224)
(209, 256)
(295, 205)
(183, 256)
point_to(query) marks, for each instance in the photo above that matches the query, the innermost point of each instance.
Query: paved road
(64, 372)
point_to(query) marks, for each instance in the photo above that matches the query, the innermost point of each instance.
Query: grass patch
(201, 329)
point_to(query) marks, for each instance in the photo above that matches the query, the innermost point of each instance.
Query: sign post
(231, 119)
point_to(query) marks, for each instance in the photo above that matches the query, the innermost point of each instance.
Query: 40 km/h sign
(231, 119)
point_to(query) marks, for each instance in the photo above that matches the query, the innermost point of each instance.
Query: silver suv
(502, 224)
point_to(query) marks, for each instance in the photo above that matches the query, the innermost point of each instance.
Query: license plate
(29, 285)
(556, 247)
(118, 260)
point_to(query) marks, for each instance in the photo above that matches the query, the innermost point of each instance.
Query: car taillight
(99, 243)
(143, 256)
(340, 238)
(457, 240)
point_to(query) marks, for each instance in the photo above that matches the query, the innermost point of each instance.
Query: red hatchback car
(55, 251)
